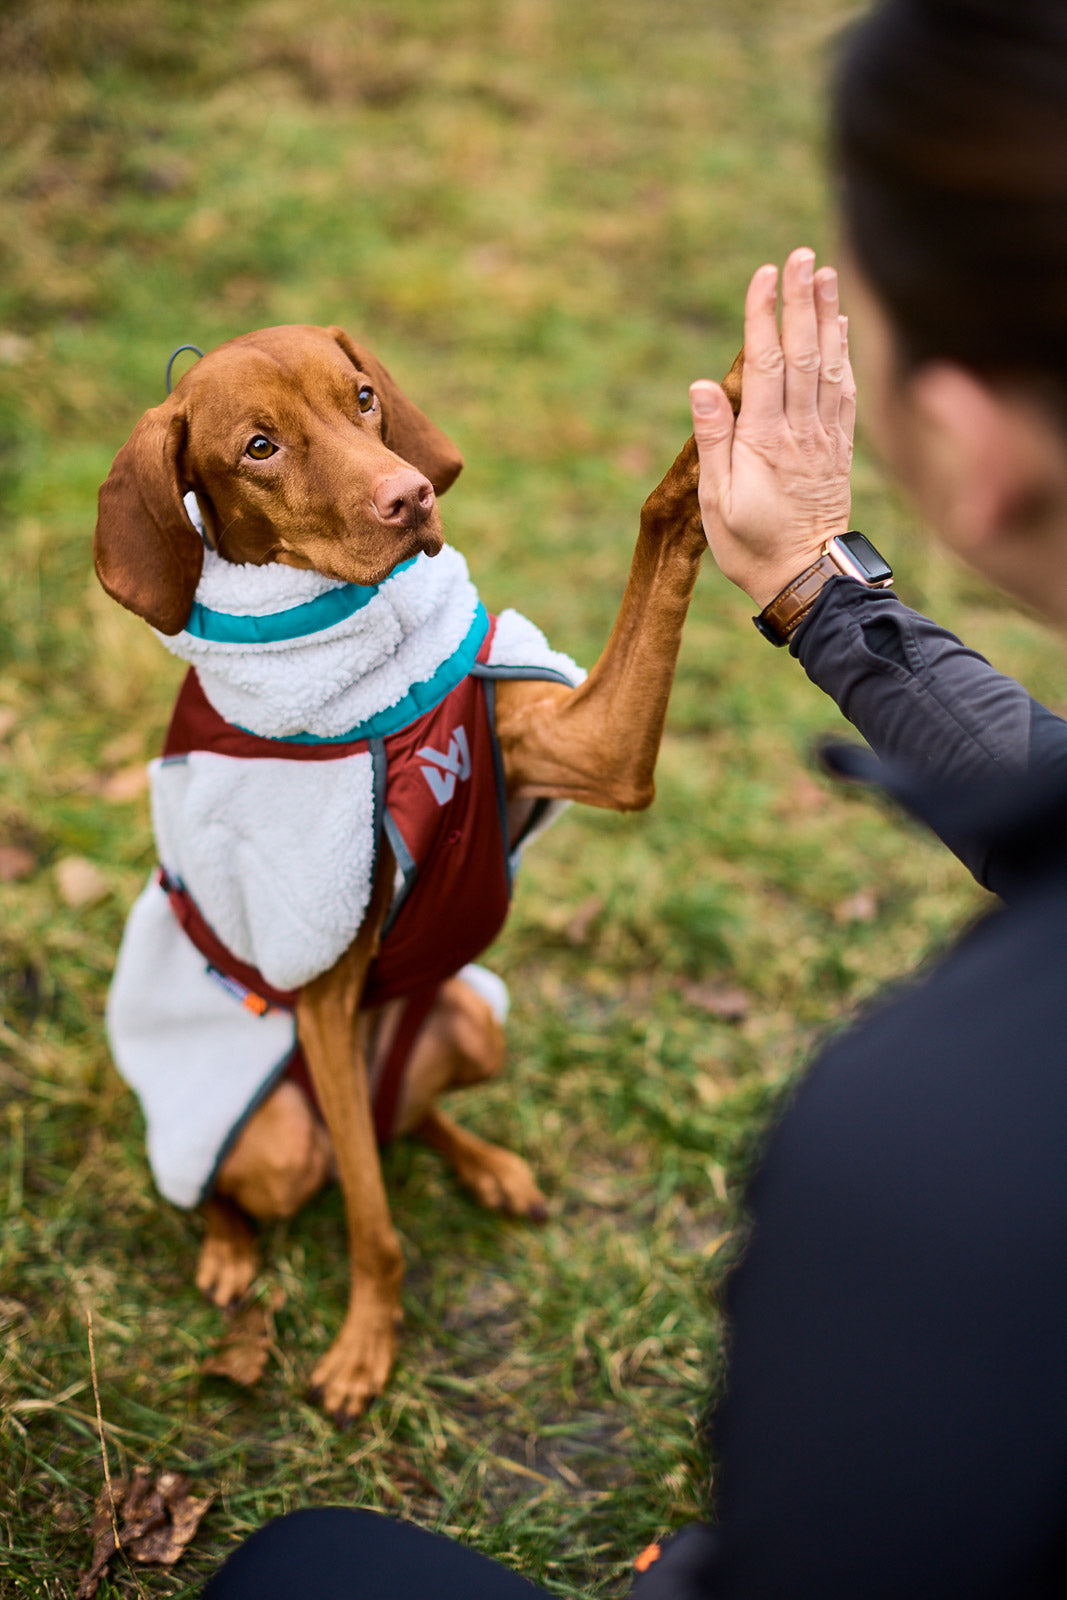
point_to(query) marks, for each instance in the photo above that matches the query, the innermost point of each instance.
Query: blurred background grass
(543, 216)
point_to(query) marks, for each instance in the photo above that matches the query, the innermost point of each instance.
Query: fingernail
(703, 399)
(806, 261)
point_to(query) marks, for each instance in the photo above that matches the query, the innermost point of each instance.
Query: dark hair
(950, 134)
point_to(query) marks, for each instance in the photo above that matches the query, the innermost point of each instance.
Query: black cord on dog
(175, 356)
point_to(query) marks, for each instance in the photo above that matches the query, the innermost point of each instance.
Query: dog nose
(404, 499)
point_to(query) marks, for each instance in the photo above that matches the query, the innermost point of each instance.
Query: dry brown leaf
(128, 783)
(186, 1516)
(16, 862)
(859, 907)
(721, 1000)
(242, 1353)
(156, 1523)
(104, 1548)
(582, 919)
(80, 882)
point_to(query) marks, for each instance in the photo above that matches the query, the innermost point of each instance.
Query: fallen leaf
(80, 882)
(579, 927)
(164, 1542)
(242, 1353)
(126, 784)
(15, 863)
(719, 1000)
(156, 1523)
(104, 1547)
(859, 907)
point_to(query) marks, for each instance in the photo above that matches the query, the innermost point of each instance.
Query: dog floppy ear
(148, 555)
(405, 429)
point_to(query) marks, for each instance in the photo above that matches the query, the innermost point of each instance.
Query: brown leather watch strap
(779, 620)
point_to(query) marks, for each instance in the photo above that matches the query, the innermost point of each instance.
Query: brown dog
(302, 451)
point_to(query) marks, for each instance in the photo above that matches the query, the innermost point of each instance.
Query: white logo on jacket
(447, 769)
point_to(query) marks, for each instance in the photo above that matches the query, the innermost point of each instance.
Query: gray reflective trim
(408, 870)
(482, 669)
(269, 1083)
(489, 691)
(381, 819)
(381, 778)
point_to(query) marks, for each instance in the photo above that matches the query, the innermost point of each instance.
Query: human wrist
(850, 555)
(765, 582)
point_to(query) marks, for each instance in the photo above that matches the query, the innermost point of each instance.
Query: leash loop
(194, 347)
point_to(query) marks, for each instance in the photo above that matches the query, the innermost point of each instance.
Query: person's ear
(987, 460)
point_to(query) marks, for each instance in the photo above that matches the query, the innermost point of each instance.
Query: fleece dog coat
(316, 716)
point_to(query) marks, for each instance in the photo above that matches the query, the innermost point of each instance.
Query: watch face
(873, 566)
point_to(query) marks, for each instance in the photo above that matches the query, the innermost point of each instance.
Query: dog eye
(260, 447)
(366, 398)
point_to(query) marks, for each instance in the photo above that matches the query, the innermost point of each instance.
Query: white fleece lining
(197, 1059)
(517, 642)
(277, 854)
(328, 682)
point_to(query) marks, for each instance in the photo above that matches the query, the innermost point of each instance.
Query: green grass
(542, 215)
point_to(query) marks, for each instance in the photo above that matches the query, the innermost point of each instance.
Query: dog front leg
(598, 743)
(358, 1363)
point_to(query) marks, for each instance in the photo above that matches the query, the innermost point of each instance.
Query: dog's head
(299, 448)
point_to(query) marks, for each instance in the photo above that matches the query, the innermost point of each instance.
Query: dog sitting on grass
(357, 756)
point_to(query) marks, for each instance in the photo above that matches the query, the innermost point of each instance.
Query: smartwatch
(847, 554)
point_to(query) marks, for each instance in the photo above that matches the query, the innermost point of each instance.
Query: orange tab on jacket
(650, 1554)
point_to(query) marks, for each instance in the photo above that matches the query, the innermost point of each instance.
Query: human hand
(774, 482)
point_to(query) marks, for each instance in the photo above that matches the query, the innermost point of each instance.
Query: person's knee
(311, 1552)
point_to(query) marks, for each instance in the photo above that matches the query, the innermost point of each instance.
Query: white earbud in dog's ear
(196, 516)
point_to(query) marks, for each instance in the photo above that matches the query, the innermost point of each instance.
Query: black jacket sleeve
(926, 704)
